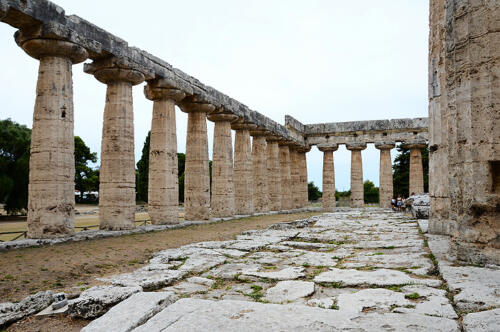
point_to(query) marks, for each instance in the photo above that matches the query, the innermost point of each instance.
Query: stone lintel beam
(51, 199)
(356, 146)
(329, 147)
(385, 146)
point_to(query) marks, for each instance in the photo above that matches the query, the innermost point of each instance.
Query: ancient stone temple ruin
(267, 170)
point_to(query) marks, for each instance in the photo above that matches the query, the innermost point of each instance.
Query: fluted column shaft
(303, 188)
(328, 199)
(295, 178)
(196, 173)
(285, 177)
(386, 190)
(243, 172)
(51, 198)
(416, 170)
(260, 178)
(357, 190)
(273, 172)
(163, 179)
(222, 202)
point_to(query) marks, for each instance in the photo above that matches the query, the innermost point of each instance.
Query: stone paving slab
(354, 269)
(132, 312)
(226, 315)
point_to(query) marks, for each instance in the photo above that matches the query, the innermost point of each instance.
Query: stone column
(285, 176)
(357, 191)
(260, 178)
(163, 179)
(472, 66)
(51, 194)
(438, 122)
(117, 172)
(196, 172)
(222, 202)
(302, 169)
(386, 191)
(273, 173)
(416, 167)
(243, 169)
(328, 199)
(295, 178)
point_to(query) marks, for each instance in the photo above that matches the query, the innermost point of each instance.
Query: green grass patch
(412, 296)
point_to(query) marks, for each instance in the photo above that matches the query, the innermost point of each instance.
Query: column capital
(259, 132)
(302, 149)
(191, 107)
(242, 124)
(327, 147)
(157, 89)
(385, 145)
(222, 117)
(355, 146)
(284, 142)
(113, 69)
(415, 144)
(38, 48)
(273, 138)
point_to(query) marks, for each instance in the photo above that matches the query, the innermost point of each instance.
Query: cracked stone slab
(146, 279)
(97, 300)
(432, 302)
(200, 281)
(187, 288)
(484, 321)
(132, 312)
(416, 263)
(10, 312)
(249, 245)
(324, 302)
(381, 277)
(378, 299)
(289, 290)
(228, 315)
(314, 259)
(308, 245)
(229, 271)
(288, 273)
(478, 287)
(201, 263)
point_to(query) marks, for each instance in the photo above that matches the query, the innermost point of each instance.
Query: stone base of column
(439, 222)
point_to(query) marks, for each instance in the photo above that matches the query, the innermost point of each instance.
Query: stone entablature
(44, 19)
(355, 132)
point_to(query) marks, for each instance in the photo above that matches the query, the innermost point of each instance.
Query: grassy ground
(72, 267)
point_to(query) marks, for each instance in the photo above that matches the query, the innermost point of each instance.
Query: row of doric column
(267, 173)
(386, 182)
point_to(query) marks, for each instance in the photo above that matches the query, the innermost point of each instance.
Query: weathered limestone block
(222, 203)
(260, 178)
(357, 191)
(243, 170)
(117, 172)
(438, 122)
(285, 176)
(51, 200)
(416, 167)
(385, 174)
(10, 312)
(295, 178)
(472, 65)
(273, 173)
(197, 178)
(328, 199)
(163, 180)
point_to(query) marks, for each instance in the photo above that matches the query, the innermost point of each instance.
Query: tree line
(14, 171)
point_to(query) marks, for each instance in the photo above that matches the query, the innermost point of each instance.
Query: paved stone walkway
(363, 270)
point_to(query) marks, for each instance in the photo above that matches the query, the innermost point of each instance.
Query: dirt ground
(72, 267)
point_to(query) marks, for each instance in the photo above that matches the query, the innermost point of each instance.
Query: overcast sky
(319, 61)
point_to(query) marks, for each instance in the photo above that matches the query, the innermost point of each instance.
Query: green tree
(370, 192)
(86, 178)
(313, 192)
(401, 171)
(14, 165)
